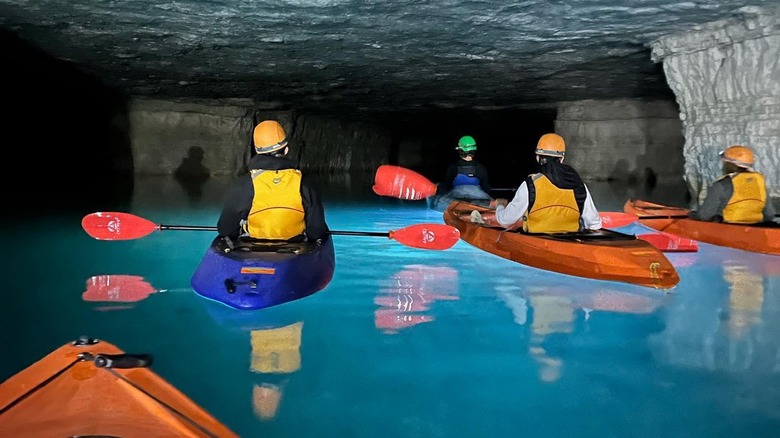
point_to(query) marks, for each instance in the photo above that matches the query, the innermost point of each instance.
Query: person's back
(554, 200)
(274, 201)
(739, 196)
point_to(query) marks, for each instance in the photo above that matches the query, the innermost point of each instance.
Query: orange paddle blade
(614, 219)
(117, 226)
(427, 236)
(399, 182)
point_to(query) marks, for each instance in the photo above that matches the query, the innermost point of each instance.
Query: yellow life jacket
(746, 205)
(554, 210)
(277, 208)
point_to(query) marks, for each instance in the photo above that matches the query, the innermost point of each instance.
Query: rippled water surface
(413, 343)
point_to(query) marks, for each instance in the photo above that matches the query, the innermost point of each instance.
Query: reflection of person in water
(276, 353)
(191, 173)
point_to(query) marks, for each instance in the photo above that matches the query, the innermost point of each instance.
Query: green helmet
(467, 144)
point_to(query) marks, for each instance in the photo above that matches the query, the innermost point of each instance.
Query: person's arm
(769, 210)
(508, 214)
(484, 181)
(718, 196)
(446, 184)
(313, 212)
(238, 201)
(591, 220)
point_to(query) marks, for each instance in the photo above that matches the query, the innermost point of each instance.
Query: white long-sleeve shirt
(515, 210)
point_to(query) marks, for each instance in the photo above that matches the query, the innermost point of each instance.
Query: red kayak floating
(402, 183)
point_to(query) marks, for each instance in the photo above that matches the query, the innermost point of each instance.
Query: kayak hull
(762, 239)
(269, 275)
(468, 193)
(63, 395)
(604, 255)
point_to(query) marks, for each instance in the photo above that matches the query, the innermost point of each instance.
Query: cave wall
(726, 77)
(622, 140)
(166, 136)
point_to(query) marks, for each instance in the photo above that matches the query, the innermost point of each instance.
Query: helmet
(740, 155)
(551, 145)
(269, 137)
(467, 144)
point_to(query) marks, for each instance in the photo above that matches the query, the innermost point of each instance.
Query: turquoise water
(413, 343)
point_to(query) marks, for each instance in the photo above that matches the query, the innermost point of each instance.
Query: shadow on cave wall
(71, 132)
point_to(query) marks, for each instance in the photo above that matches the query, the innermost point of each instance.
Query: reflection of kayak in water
(92, 388)
(473, 194)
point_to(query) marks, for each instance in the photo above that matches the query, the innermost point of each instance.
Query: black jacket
(238, 201)
(480, 172)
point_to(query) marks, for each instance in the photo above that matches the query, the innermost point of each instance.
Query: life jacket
(277, 207)
(746, 205)
(466, 175)
(551, 209)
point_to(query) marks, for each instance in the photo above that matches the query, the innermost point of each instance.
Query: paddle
(402, 183)
(119, 289)
(664, 241)
(126, 226)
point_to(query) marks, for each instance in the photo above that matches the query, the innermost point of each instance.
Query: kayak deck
(74, 391)
(258, 274)
(600, 255)
(761, 238)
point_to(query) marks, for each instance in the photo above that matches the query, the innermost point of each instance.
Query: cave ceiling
(367, 56)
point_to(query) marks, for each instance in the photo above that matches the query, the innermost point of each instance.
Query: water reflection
(122, 290)
(276, 354)
(410, 294)
(728, 320)
(555, 310)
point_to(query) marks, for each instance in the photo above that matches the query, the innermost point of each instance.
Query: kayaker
(274, 201)
(555, 200)
(739, 195)
(467, 178)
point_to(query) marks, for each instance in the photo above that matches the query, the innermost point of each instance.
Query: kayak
(600, 255)
(762, 238)
(469, 193)
(259, 274)
(92, 388)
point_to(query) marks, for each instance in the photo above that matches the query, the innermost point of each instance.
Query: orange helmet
(269, 137)
(551, 145)
(740, 155)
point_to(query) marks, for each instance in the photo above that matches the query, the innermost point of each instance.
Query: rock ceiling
(338, 55)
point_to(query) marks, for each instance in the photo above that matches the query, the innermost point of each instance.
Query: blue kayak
(260, 274)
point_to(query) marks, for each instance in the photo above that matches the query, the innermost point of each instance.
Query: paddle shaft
(212, 228)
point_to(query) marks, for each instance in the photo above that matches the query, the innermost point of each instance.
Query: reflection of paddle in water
(120, 289)
(413, 291)
(275, 351)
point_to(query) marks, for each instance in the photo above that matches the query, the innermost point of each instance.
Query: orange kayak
(92, 388)
(763, 238)
(601, 255)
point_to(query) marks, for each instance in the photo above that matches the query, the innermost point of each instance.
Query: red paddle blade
(427, 236)
(399, 182)
(614, 219)
(117, 289)
(116, 226)
(669, 242)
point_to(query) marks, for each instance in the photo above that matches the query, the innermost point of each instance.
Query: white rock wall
(622, 140)
(726, 77)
